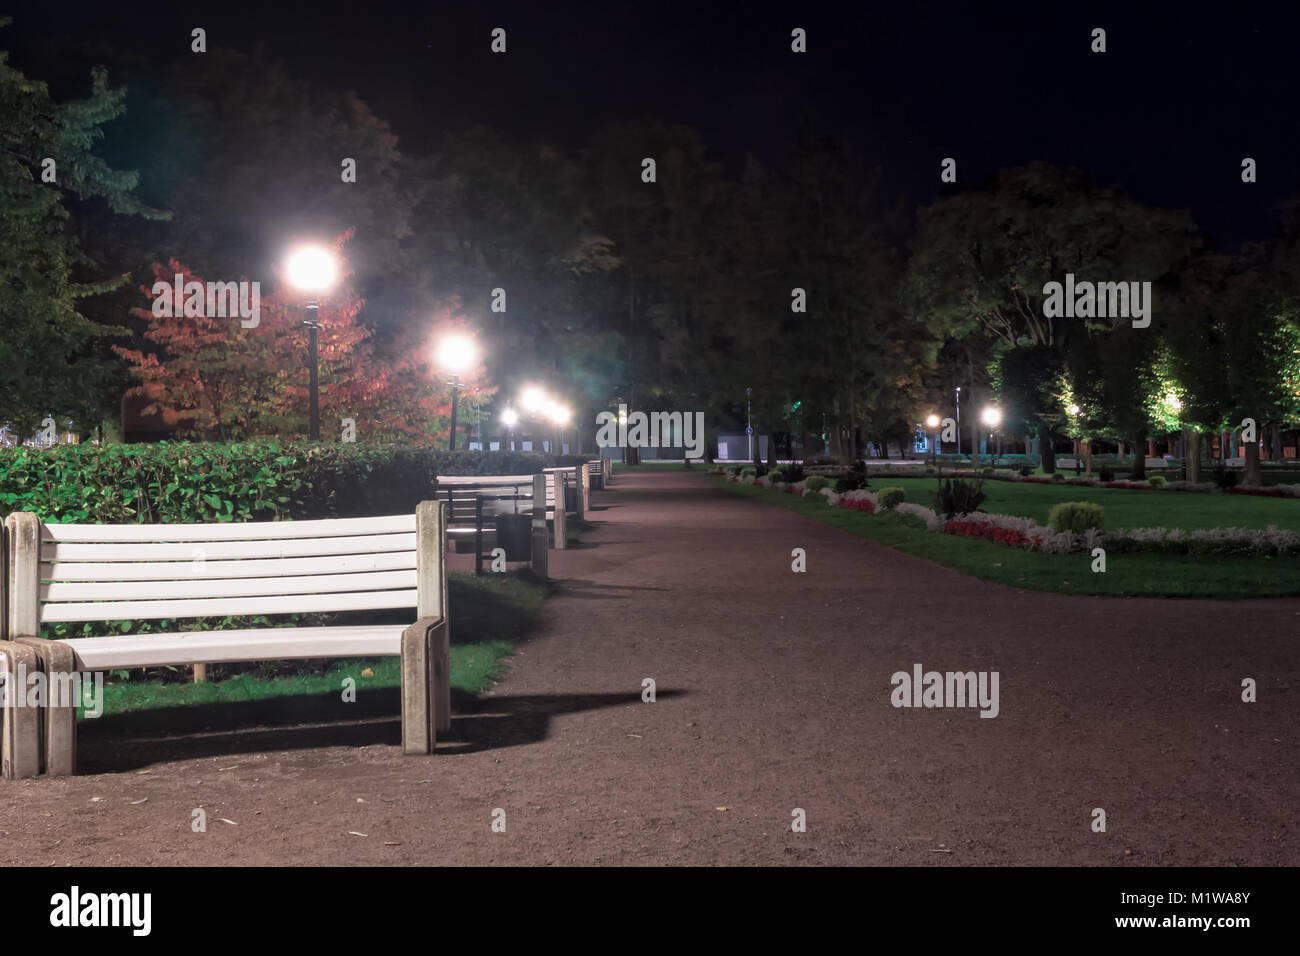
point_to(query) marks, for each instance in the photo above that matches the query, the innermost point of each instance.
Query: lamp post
(312, 269)
(959, 419)
(933, 422)
(456, 353)
(749, 423)
(510, 418)
(992, 417)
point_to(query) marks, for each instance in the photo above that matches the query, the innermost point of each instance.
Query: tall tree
(47, 158)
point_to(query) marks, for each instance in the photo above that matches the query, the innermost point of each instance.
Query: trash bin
(570, 498)
(597, 479)
(514, 536)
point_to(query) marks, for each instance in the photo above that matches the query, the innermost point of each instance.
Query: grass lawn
(1124, 508)
(489, 615)
(1136, 575)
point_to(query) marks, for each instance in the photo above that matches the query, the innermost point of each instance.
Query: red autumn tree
(213, 378)
(404, 395)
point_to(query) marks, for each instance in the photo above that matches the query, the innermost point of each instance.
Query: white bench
(99, 573)
(474, 500)
(555, 478)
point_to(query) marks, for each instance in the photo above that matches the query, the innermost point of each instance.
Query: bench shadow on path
(117, 743)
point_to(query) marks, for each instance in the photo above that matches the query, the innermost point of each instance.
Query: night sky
(1182, 95)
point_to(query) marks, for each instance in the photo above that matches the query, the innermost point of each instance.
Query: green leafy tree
(52, 362)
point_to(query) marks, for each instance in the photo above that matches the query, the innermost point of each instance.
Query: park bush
(1224, 477)
(1057, 476)
(749, 471)
(852, 480)
(1025, 471)
(816, 482)
(957, 496)
(889, 498)
(1157, 481)
(777, 474)
(264, 480)
(1076, 516)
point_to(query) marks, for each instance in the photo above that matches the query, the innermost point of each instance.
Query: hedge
(263, 480)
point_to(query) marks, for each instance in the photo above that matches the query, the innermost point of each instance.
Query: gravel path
(773, 694)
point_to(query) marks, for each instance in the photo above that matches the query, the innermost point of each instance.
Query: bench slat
(226, 587)
(219, 607)
(216, 550)
(209, 570)
(233, 531)
(225, 647)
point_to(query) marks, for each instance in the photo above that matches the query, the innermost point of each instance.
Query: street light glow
(456, 353)
(991, 416)
(311, 269)
(1073, 409)
(510, 418)
(933, 421)
(533, 399)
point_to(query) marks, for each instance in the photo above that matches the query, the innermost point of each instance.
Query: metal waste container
(514, 536)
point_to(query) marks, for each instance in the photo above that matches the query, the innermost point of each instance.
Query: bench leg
(59, 716)
(22, 724)
(425, 685)
(441, 677)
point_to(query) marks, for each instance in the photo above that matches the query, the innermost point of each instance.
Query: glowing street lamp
(992, 417)
(456, 354)
(1074, 410)
(533, 398)
(314, 270)
(933, 423)
(510, 418)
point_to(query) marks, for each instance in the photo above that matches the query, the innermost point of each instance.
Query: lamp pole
(313, 360)
(959, 419)
(455, 391)
(749, 423)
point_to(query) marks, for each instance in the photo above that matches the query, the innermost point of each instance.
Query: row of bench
(109, 573)
(486, 511)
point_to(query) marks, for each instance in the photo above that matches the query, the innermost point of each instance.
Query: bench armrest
(426, 684)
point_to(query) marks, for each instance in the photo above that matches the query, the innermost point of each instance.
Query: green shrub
(986, 472)
(815, 482)
(1057, 476)
(1025, 471)
(749, 471)
(891, 497)
(731, 469)
(1224, 477)
(852, 480)
(264, 480)
(1076, 516)
(957, 496)
(1158, 481)
(929, 470)
(777, 474)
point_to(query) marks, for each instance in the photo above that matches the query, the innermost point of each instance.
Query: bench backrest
(76, 572)
(503, 485)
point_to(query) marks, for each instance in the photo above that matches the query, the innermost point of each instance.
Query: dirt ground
(773, 694)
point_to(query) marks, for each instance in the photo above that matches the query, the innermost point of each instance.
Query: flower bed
(1024, 533)
(988, 531)
(858, 504)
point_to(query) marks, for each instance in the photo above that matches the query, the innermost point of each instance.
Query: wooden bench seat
(110, 573)
(233, 646)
